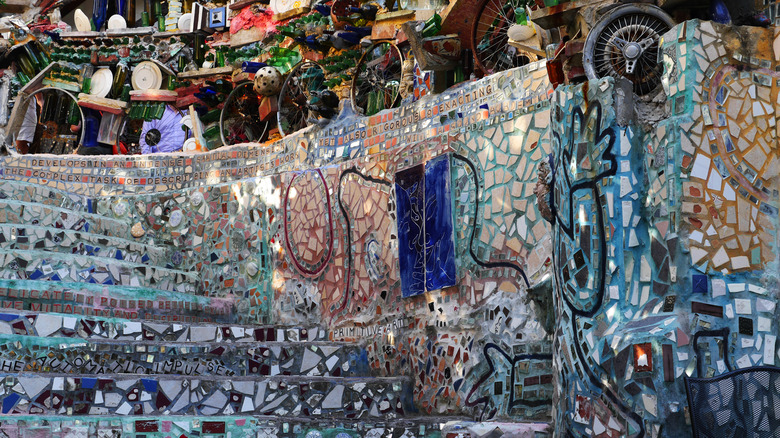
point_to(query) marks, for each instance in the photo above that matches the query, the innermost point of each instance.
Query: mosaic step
(108, 394)
(20, 212)
(32, 237)
(254, 426)
(74, 356)
(52, 266)
(119, 301)
(26, 192)
(85, 327)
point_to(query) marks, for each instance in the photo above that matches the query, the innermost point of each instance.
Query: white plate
(82, 21)
(190, 145)
(102, 80)
(186, 121)
(185, 21)
(117, 21)
(146, 76)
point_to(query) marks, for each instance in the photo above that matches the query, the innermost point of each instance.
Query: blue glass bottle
(99, 10)
(719, 13)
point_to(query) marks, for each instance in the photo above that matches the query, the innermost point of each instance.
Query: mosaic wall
(500, 251)
(664, 233)
(305, 232)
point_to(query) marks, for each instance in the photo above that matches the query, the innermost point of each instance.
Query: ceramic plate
(146, 76)
(185, 21)
(102, 80)
(190, 145)
(186, 121)
(117, 22)
(82, 21)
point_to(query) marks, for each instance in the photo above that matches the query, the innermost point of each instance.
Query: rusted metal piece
(439, 53)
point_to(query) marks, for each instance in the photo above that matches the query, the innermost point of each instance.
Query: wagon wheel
(304, 81)
(239, 120)
(624, 43)
(376, 84)
(489, 40)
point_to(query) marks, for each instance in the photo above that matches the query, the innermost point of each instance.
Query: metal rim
(231, 96)
(624, 43)
(288, 87)
(12, 145)
(495, 18)
(392, 99)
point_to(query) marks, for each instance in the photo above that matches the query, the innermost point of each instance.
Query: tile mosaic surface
(305, 232)
(510, 250)
(666, 233)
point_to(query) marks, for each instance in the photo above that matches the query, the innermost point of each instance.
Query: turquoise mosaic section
(666, 243)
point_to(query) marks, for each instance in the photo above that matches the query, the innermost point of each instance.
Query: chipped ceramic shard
(137, 230)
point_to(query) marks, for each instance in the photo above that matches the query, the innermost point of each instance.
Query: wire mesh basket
(744, 403)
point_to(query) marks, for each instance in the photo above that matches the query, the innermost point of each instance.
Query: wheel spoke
(608, 47)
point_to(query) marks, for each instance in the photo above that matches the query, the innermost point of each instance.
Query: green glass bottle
(149, 111)
(126, 92)
(23, 78)
(120, 76)
(159, 110)
(74, 116)
(25, 64)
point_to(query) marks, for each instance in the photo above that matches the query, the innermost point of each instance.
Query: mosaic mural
(501, 252)
(186, 255)
(665, 244)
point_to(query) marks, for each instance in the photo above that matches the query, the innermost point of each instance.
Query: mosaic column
(665, 246)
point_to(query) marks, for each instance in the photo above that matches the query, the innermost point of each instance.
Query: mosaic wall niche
(664, 233)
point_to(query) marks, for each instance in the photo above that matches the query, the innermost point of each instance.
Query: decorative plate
(146, 76)
(185, 21)
(117, 21)
(102, 80)
(82, 21)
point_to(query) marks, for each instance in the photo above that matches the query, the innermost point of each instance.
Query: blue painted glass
(439, 243)
(409, 190)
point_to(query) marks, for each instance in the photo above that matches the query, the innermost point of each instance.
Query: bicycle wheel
(51, 124)
(624, 43)
(295, 112)
(239, 120)
(492, 52)
(376, 84)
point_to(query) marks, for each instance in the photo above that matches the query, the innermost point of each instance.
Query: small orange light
(643, 357)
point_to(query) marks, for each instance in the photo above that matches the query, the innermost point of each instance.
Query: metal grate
(739, 404)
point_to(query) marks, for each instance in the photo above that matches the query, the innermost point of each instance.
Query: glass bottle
(99, 11)
(120, 76)
(199, 52)
(432, 26)
(25, 64)
(126, 92)
(74, 117)
(159, 110)
(43, 54)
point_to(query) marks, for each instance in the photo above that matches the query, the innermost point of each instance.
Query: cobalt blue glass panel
(409, 190)
(439, 245)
